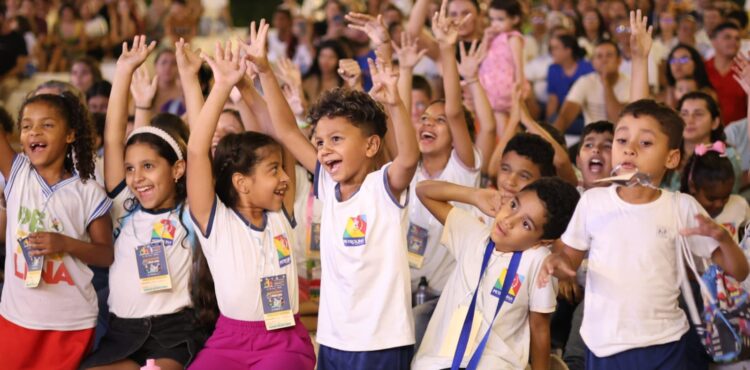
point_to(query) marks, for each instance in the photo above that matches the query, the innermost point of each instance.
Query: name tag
(450, 341)
(153, 270)
(34, 264)
(277, 309)
(314, 237)
(416, 241)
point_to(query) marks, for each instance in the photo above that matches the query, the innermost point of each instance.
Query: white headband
(160, 133)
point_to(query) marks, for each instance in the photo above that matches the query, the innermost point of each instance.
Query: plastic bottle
(150, 365)
(421, 295)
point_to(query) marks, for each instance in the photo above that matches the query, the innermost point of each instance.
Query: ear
(70, 137)
(240, 183)
(673, 159)
(373, 146)
(178, 170)
(715, 124)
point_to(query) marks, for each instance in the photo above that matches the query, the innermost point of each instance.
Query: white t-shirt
(365, 300)
(632, 283)
(438, 262)
(508, 345)
(239, 255)
(734, 214)
(134, 229)
(65, 298)
(588, 92)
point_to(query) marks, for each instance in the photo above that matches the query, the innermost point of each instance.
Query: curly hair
(536, 149)
(559, 199)
(355, 106)
(76, 116)
(238, 153)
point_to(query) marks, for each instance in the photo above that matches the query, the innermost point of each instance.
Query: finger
(263, 33)
(473, 48)
(253, 33)
(227, 50)
(371, 66)
(650, 30)
(462, 51)
(209, 59)
(151, 46)
(421, 54)
(465, 19)
(357, 27)
(444, 9)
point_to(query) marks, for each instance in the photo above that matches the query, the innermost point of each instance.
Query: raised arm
(284, 130)
(437, 195)
(510, 130)
(228, 69)
(469, 69)
(117, 110)
(741, 69)
(351, 73)
(188, 65)
(375, 29)
(446, 33)
(640, 45)
(143, 89)
(408, 55)
(415, 26)
(385, 90)
(562, 162)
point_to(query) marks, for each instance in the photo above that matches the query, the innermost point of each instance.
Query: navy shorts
(669, 356)
(398, 358)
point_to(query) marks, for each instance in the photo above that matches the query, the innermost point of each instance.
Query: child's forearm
(200, 137)
(404, 86)
(260, 118)
(539, 324)
(639, 88)
(454, 110)
(561, 159)
(436, 195)
(407, 150)
(731, 259)
(497, 155)
(191, 88)
(486, 136)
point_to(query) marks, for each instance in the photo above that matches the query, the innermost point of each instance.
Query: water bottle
(421, 295)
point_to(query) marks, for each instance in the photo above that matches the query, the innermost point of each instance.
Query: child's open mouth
(333, 165)
(37, 147)
(144, 191)
(596, 165)
(427, 137)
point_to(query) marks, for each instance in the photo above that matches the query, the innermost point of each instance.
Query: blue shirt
(559, 84)
(362, 61)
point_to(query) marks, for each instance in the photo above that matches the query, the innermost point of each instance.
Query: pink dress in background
(497, 72)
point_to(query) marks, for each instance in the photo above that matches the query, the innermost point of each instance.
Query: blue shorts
(670, 356)
(398, 358)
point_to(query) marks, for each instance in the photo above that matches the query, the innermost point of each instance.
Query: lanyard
(463, 340)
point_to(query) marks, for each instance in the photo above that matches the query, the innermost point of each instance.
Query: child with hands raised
(448, 154)
(363, 220)
(246, 225)
(150, 296)
(58, 225)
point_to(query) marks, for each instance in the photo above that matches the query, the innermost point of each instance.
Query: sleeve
(576, 235)
(461, 231)
(322, 182)
(463, 168)
(701, 246)
(20, 163)
(97, 202)
(404, 199)
(217, 208)
(577, 93)
(541, 300)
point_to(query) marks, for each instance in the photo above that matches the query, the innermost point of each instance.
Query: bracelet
(470, 81)
(142, 108)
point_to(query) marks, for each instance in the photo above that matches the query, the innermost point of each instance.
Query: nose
(511, 181)
(284, 176)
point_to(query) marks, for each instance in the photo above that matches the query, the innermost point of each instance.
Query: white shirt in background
(588, 92)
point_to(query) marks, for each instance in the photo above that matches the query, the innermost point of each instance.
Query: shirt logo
(356, 229)
(282, 249)
(515, 287)
(164, 230)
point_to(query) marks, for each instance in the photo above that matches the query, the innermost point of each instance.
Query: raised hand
(143, 87)
(468, 67)
(228, 67)
(640, 35)
(351, 73)
(255, 48)
(188, 61)
(133, 57)
(384, 82)
(707, 227)
(408, 53)
(741, 69)
(373, 27)
(289, 73)
(444, 28)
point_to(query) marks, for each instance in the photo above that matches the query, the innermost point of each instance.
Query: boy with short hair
(632, 319)
(533, 217)
(594, 158)
(365, 302)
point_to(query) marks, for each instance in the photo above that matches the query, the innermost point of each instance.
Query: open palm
(133, 57)
(227, 66)
(188, 61)
(255, 49)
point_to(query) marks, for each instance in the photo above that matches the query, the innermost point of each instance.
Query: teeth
(427, 135)
(596, 161)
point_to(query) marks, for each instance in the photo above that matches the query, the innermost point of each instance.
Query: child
(631, 315)
(595, 153)
(246, 229)
(534, 217)
(365, 317)
(709, 177)
(526, 158)
(58, 224)
(447, 155)
(504, 63)
(151, 313)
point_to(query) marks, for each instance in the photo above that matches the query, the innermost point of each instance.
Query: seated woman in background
(568, 66)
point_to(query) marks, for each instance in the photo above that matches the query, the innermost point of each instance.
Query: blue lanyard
(463, 340)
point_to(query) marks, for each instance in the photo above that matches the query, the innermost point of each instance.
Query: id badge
(416, 241)
(34, 264)
(153, 271)
(277, 308)
(450, 341)
(315, 237)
